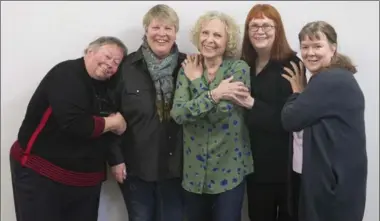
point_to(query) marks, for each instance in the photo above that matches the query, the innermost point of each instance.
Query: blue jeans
(224, 206)
(153, 201)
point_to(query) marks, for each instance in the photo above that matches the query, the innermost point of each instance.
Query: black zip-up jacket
(151, 150)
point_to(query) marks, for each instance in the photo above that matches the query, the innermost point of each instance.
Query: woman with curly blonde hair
(217, 153)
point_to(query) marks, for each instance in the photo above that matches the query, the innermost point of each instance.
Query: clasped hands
(117, 123)
(235, 92)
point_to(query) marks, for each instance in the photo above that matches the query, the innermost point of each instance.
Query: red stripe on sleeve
(99, 124)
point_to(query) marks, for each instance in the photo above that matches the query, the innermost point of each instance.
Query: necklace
(210, 76)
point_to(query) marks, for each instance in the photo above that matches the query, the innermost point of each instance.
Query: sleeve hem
(118, 160)
(99, 124)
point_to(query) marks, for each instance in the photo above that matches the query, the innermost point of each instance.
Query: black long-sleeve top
(334, 172)
(270, 142)
(61, 134)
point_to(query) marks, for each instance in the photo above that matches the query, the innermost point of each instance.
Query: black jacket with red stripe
(61, 134)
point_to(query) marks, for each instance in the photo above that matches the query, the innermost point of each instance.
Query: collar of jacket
(137, 56)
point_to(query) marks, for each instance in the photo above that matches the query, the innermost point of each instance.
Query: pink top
(297, 151)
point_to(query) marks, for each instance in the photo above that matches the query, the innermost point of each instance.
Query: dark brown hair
(281, 49)
(316, 29)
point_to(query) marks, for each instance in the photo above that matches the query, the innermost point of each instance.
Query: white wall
(37, 35)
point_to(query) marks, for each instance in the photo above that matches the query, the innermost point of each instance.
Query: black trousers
(38, 198)
(296, 181)
(267, 201)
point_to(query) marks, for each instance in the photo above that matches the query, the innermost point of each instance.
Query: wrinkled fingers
(242, 94)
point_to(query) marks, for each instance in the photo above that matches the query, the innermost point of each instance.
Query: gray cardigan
(331, 112)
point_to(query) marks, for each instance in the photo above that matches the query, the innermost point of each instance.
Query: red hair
(281, 49)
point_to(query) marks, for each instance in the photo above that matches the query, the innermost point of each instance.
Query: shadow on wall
(112, 205)
(14, 109)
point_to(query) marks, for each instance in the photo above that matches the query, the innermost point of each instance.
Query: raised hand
(193, 67)
(296, 78)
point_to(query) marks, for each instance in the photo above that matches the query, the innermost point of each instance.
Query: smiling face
(262, 33)
(161, 36)
(103, 61)
(213, 39)
(317, 52)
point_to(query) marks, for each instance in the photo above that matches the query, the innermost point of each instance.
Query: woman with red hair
(267, 52)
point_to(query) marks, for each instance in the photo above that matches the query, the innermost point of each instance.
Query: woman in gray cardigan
(330, 111)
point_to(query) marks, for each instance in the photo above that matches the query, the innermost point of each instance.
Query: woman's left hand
(296, 78)
(228, 90)
(246, 101)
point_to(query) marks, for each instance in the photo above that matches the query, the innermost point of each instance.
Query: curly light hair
(232, 29)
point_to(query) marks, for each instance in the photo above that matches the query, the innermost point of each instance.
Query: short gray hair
(107, 40)
(162, 12)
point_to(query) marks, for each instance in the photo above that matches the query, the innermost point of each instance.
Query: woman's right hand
(119, 172)
(232, 91)
(192, 66)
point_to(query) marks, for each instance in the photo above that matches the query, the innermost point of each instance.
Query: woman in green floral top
(217, 154)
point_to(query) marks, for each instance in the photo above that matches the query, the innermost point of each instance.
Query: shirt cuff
(99, 124)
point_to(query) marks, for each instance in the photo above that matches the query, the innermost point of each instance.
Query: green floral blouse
(217, 152)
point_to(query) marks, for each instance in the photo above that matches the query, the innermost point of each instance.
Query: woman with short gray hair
(149, 166)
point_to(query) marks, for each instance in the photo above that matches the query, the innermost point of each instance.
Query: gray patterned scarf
(161, 72)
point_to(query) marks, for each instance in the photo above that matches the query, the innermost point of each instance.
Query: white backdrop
(37, 35)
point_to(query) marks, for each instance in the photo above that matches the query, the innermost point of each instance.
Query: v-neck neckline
(218, 76)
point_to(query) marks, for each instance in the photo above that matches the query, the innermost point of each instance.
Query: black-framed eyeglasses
(264, 27)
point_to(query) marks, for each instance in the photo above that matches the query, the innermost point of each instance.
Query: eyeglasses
(264, 27)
